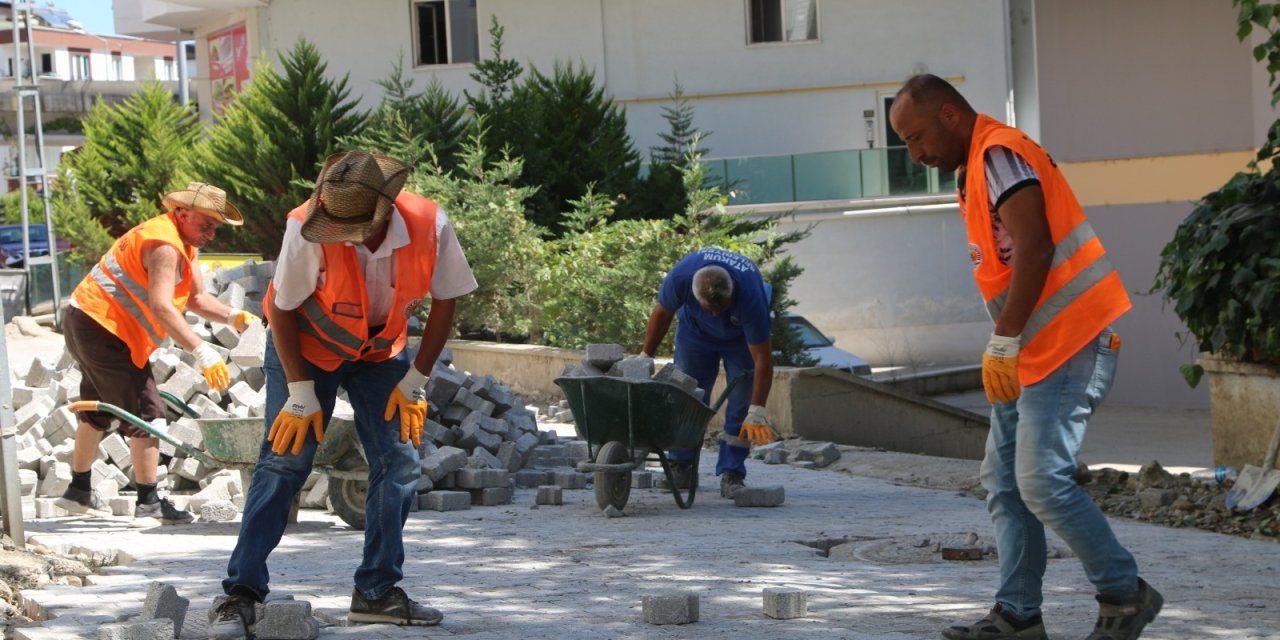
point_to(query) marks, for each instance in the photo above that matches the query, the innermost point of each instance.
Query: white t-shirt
(298, 272)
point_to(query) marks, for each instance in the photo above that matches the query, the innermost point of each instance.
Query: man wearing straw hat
(119, 314)
(356, 261)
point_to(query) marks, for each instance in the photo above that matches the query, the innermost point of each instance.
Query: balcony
(74, 96)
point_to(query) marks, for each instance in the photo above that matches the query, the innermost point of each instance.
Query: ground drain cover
(914, 549)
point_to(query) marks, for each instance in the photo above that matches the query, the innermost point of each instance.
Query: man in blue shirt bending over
(723, 306)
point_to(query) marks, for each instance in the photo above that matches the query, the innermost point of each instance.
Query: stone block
(525, 444)
(577, 451)
(509, 457)
(122, 505)
(785, 604)
(821, 454)
(634, 368)
(471, 436)
(448, 500)
(39, 374)
(548, 455)
(453, 415)
(671, 608)
(482, 459)
(164, 603)
(185, 383)
(672, 374)
(317, 496)
(32, 413)
(116, 449)
(287, 620)
(137, 630)
(602, 356)
(491, 496)
(776, 456)
(443, 385)
(759, 496)
(248, 352)
(444, 461)
(218, 511)
(571, 479)
(434, 431)
(550, 495)
(481, 478)
(55, 481)
(531, 478)
(225, 335)
(641, 479)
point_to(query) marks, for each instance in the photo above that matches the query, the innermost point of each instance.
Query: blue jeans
(1029, 472)
(393, 476)
(701, 360)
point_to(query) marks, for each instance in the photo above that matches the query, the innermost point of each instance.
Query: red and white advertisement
(228, 64)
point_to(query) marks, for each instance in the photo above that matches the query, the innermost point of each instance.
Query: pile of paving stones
(1155, 495)
(476, 445)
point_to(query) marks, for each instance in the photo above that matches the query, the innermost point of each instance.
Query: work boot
(231, 617)
(1123, 617)
(999, 624)
(81, 501)
(394, 607)
(730, 482)
(683, 476)
(158, 513)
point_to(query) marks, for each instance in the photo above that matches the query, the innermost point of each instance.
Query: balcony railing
(829, 175)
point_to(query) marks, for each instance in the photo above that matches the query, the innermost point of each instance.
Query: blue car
(11, 243)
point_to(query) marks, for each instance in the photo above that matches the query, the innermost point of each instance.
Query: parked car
(11, 243)
(822, 348)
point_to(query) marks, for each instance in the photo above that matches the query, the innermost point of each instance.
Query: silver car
(823, 349)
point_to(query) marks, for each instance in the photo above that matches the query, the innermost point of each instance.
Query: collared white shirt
(298, 272)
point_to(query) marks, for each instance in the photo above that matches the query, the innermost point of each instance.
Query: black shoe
(998, 624)
(81, 501)
(730, 482)
(231, 617)
(157, 513)
(1124, 617)
(394, 607)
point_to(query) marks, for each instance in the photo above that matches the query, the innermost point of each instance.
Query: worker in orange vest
(119, 314)
(1053, 294)
(356, 261)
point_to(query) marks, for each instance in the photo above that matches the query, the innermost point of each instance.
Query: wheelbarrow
(628, 422)
(233, 443)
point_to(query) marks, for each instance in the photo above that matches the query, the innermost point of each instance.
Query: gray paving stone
(784, 603)
(288, 620)
(448, 500)
(549, 495)
(137, 630)
(163, 602)
(670, 608)
(759, 496)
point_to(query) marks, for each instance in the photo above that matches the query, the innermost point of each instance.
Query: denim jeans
(393, 476)
(701, 360)
(1029, 472)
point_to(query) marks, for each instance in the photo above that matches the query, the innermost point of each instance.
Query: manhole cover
(921, 549)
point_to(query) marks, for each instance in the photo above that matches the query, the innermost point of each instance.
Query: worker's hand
(301, 413)
(756, 429)
(241, 319)
(212, 366)
(1000, 369)
(410, 399)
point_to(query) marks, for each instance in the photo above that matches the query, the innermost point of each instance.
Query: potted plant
(1221, 272)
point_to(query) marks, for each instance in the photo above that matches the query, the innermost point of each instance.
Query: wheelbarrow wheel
(612, 487)
(347, 495)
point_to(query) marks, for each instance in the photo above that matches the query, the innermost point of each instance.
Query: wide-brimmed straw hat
(353, 196)
(206, 199)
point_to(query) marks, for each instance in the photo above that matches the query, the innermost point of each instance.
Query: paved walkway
(567, 572)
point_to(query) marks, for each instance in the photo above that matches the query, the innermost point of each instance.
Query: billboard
(228, 65)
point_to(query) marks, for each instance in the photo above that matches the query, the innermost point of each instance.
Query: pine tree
(419, 128)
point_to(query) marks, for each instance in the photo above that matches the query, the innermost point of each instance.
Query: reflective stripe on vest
(313, 321)
(121, 297)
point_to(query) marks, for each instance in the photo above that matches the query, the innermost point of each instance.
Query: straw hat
(353, 196)
(207, 199)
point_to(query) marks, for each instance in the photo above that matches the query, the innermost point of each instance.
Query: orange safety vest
(1082, 294)
(333, 322)
(115, 291)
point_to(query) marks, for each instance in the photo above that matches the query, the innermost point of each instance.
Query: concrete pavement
(566, 572)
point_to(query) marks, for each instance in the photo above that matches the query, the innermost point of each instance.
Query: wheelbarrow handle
(103, 407)
(724, 395)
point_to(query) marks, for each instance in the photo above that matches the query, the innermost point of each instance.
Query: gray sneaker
(158, 513)
(394, 607)
(998, 625)
(231, 618)
(1124, 617)
(81, 501)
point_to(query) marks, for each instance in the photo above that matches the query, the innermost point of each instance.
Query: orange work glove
(1000, 369)
(212, 366)
(241, 319)
(301, 413)
(756, 429)
(410, 399)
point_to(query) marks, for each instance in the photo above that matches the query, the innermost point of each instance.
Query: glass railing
(829, 175)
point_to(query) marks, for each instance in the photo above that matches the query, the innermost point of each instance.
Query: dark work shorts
(109, 375)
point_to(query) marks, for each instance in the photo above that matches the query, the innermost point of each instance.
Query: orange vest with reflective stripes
(115, 291)
(333, 322)
(1082, 293)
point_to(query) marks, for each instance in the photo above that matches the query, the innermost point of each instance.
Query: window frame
(817, 19)
(81, 64)
(415, 34)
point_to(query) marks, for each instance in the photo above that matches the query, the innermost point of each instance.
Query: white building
(1146, 105)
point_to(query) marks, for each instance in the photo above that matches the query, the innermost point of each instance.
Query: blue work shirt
(747, 317)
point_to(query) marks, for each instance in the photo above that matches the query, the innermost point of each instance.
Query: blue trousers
(1029, 471)
(393, 476)
(702, 361)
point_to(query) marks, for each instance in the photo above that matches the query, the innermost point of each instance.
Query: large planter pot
(1244, 405)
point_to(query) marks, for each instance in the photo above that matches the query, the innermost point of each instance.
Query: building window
(168, 70)
(117, 66)
(46, 64)
(445, 32)
(79, 65)
(781, 21)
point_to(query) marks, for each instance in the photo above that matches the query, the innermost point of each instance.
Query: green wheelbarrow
(627, 423)
(233, 443)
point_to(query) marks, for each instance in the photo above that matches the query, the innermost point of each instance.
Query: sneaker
(730, 482)
(81, 501)
(1124, 617)
(158, 513)
(395, 607)
(682, 475)
(999, 625)
(231, 617)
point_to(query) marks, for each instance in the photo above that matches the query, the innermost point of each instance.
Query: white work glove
(212, 366)
(241, 319)
(755, 428)
(301, 413)
(1000, 369)
(410, 399)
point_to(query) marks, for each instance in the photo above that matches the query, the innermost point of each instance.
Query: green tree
(661, 193)
(267, 148)
(133, 153)
(433, 123)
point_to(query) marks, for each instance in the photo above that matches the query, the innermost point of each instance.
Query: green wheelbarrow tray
(236, 442)
(643, 417)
